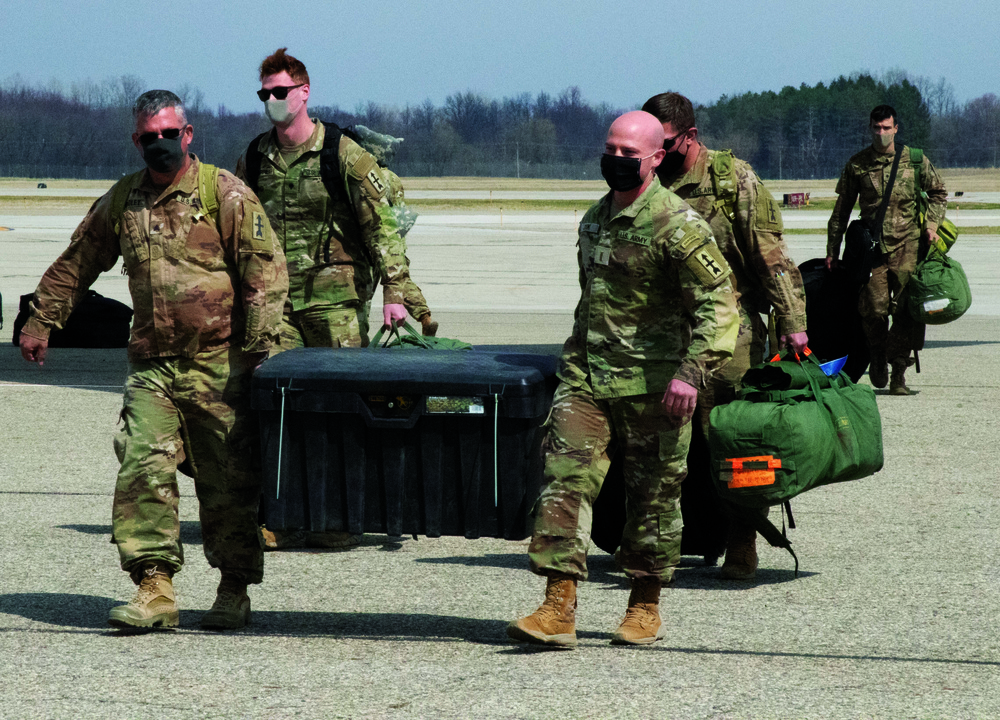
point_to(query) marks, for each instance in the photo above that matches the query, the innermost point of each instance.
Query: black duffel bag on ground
(96, 322)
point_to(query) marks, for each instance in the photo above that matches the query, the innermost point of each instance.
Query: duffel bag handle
(394, 333)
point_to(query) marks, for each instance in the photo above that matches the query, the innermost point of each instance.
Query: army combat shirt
(763, 274)
(337, 248)
(657, 302)
(864, 179)
(197, 284)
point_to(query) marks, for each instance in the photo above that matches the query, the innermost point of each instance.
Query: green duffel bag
(413, 339)
(791, 429)
(938, 291)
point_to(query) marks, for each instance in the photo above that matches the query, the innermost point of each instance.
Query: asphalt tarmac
(894, 613)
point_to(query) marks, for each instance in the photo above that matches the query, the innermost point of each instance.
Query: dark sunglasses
(669, 142)
(280, 93)
(169, 134)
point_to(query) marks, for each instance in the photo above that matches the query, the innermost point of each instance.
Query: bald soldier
(656, 317)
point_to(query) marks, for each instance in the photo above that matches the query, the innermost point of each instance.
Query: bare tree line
(83, 130)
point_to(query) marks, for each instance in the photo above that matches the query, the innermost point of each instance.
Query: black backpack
(96, 322)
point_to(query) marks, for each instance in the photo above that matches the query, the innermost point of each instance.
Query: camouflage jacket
(196, 284)
(763, 273)
(334, 246)
(657, 302)
(864, 178)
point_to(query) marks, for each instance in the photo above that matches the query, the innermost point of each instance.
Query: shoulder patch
(767, 215)
(256, 235)
(707, 264)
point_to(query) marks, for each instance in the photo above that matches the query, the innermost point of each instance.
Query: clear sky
(399, 53)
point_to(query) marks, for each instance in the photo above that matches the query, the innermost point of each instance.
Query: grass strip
(963, 230)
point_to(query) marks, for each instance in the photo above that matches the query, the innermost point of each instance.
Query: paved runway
(894, 614)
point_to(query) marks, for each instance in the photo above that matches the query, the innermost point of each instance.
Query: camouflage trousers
(325, 326)
(580, 428)
(878, 302)
(198, 410)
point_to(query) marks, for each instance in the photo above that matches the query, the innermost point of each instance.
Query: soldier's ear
(305, 92)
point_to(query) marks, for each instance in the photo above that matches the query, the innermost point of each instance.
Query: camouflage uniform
(656, 305)
(333, 246)
(413, 298)
(863, 179)
(207, 297)
(763, 274)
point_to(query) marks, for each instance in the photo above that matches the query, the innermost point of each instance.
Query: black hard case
(360, 451)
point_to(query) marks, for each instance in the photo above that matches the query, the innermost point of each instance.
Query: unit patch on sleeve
(708, 265)
(258, 226)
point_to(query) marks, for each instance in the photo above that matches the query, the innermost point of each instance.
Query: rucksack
(380, 146)
(792, 428)
(208, 178)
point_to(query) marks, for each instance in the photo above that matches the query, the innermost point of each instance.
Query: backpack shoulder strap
(208, 179)
(119, 196)
(251, 162)
(917, 161)
(329, 161)
(724, 183)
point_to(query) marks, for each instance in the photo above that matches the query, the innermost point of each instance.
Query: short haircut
(884, 112)
(673, 108)
(152, 101)
(280, 61)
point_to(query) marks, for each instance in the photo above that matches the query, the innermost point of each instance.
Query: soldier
(747, 226)
(338, 246)
(208, 282)
(656, 317)
(864, 178)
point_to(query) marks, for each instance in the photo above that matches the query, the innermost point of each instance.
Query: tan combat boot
(554, 623)
(897, 385)
(430, 327)
(741, 552)
(231, 609)
(642, 625)
(154, 604)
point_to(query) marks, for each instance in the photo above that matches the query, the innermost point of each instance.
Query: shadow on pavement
(91, 613)
(88, 369)
(190, 531)
(958, 343)
(827, 656)
(602, 567)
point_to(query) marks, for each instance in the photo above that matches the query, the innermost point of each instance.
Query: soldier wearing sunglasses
(339, 246)
(208, 285)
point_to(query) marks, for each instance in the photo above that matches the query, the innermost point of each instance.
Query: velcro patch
(592, 228)
(376, 182)
(751, 471)
(256, 236)
(766, 212)
(708, 265)
(634, 238)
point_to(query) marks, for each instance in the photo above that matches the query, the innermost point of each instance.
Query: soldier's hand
(832, 262)
(393, 311)
(33, 349)
(680, 400)
(796, 341)
(930, 235)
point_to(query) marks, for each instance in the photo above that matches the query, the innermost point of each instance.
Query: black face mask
(621, 173)
(672, 163)
(164, 155)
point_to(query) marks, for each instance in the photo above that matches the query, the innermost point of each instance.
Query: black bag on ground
(96, 322)
(832, 316)
(705, 523)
